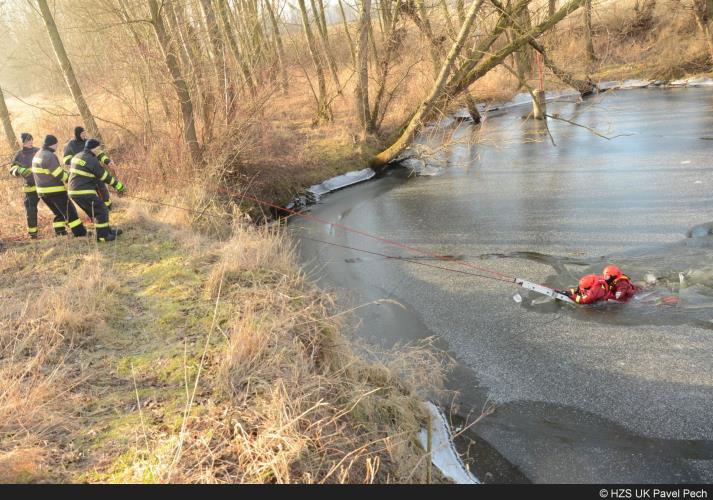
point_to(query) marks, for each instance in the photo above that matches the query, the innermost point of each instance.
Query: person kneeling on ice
(620, 286)
(84, 177)
(592, 288)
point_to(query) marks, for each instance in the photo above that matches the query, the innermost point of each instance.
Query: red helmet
(587, 281)
(611, 270)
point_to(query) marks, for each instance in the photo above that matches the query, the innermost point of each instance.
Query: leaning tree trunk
(361, 92)
(443, 91)
(427, 105)
(67, 70)
(179, 82)
(7, 123)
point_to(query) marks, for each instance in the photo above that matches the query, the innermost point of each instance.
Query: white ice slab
(444, 455)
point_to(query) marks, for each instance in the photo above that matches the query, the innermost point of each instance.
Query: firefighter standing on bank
(76, 146)
(85, 176)
(21, 166)
(49, 178)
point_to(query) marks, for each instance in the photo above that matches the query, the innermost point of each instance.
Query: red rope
(495, 274)
(406, 259)
(365, 234)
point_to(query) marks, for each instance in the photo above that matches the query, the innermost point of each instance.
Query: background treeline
(284, 92)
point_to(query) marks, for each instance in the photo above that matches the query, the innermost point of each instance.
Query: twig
(68, 114)
(588, 128)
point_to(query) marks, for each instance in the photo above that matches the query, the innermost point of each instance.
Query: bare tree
(7, 123)
(67, 70)
(584, 87)
(179, 82)
(323, 109)
(362, 67)
(217, 53)
(702, 12)
(521, 23)
(279, 46)
(436, 92)
(347, 34)
(229, 33)
(318, 12)
(393, 37)
(588, 43)
(446, 89)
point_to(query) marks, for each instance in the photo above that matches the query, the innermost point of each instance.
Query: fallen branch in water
(555, 117)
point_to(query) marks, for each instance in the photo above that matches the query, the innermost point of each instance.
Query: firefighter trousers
(65, 215)
(103, 193)
(31, 201)
(96, 209)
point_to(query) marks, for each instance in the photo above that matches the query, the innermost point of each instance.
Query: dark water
(614, 393)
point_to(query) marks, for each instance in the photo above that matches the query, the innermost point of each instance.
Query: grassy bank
(176, 356)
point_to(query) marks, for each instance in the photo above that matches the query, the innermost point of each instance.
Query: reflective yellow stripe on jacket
(29, 189)
(81, 172)
(81, 192)
(51, 189)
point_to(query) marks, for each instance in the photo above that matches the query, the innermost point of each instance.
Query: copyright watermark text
(626, 493)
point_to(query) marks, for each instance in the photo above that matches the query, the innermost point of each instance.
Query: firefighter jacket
(598, 291)
(48, 173)
(74, 147)
(86, 173)
(21, 166)
(621, 288)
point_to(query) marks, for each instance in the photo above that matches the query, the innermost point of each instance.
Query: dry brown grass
(265, 387)
(43, 325)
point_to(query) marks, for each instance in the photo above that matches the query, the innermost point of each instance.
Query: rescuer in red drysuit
(620, 286)
(592, 288)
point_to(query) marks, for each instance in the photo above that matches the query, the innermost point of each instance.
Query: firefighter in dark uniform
(21, 166)
(50, 178)
(85, 176)
(76, 146)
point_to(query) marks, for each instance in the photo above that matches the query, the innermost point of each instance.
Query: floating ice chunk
(636, 84)
(650, 279)
(430, 171)
(697, 182)
(685, 162)
(517, 298)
